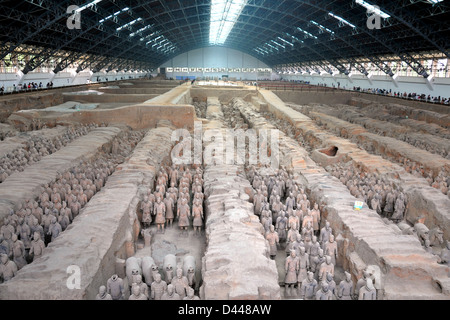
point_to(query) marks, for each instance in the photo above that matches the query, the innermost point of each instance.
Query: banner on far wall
(219, 70)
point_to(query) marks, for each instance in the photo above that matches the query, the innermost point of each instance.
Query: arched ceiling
(277, 32)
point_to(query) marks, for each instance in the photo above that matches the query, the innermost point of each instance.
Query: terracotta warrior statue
(272, 238)
(345, 290)
(103, 294)
(158, 287)
(325, 233)
(19, 252)
(136, 293)
(197, 213)
(180, 283)
(183, 213)
(281, 226)
(8, 268)
(291, 269)
(169, 202)
(147, 210)
(170, 294)
(191, 295)
(115, 288)
(326, 267)
(37, 246)
(368, 292)
(160, 212)
(303, 264)
(330, 249)
(324, 293)
(309, 287)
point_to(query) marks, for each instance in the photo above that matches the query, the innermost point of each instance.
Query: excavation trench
(104, 229)
(364, 239)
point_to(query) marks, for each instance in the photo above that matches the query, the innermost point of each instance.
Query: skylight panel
(129, 24)
(86, 6)
(307, 33)
(285, 41)
(224, 14)
(114, 14)
(321, 27)
(373, 9)
(342, 20)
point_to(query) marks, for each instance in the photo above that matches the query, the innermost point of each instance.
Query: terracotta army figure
(257, 202)
(7, 230)
(326, 267)
(330, 249)
(115, 288)
(169, 202)
(63, 220)
(102, 294)
(399, 208)
(307, 219)
(55, 229)
(147, 210)
(183, 213)
(158, 287)
(290, 203)
(281, 226)
(389, 206)
(143, 287)
(368, 292)
(160, 212)
(304, 203)
(361, 282)
(170, 294)
(35, 227)
(313, 249)
(375, 203)
(309, 287)
(317, 262)
(136, 293)
(325, 233)
(5, 247)
(315, 213)
(191, 295)
(24, 231)
(37, 211)
(8, 268)
(291, 269)
(272, 238)
(197, 213)
(329, 279)
(19, 252)
(303, 260)
(324, 293)
(37, 246)
(67, 211)
(180, 283)
(307, 234)
(345, 289)
(276, 208)
(293, 221)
